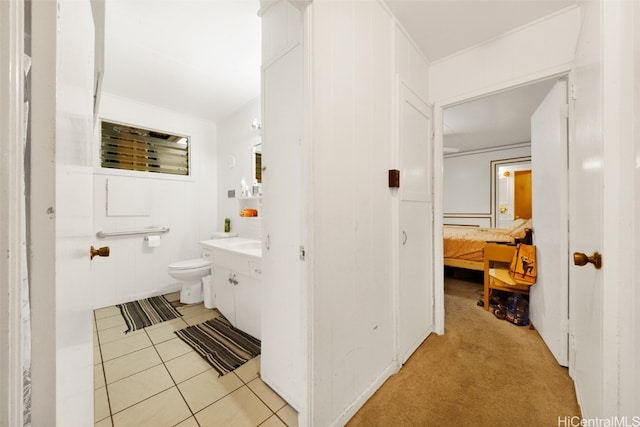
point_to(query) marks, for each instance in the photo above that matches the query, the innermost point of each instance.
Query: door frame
(12, 213)
(438, 162)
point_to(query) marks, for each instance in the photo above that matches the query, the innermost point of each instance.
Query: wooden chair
(497, 277)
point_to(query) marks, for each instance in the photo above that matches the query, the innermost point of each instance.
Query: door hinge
(302, 253)
(572, 342)
(572, 91)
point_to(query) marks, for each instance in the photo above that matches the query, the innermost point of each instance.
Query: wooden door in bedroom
(522, 194)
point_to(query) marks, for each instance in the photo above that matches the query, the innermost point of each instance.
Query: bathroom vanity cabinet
(237, 296)
(237, 284)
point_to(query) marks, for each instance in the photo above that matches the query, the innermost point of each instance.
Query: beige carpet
(482, 372)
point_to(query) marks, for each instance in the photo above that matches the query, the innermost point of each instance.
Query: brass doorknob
(581, 259)
(103, 251)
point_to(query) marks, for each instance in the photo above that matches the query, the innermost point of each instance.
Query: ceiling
(443, 27)
(197, 57)
(500, 119)
(202, 57)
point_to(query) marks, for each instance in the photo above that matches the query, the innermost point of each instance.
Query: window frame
(105, 170)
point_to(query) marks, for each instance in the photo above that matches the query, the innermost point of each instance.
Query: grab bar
(158, 230)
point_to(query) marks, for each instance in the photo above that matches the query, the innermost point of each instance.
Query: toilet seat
(190, 264)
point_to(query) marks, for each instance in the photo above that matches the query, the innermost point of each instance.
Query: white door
(283, 317)
(586, 218)
(74, 215)
(586, 285)
(415, 294)
(248, 299)
(63, 324)
(604, 160)
(549, 296)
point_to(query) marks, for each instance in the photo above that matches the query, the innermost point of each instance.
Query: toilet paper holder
(152, 241)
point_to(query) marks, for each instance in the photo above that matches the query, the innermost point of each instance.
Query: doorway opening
(495, 159)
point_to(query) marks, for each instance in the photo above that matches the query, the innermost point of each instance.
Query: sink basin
(246, 245)
(239, 245)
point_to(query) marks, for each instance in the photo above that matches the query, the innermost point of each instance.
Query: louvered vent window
(138, 149)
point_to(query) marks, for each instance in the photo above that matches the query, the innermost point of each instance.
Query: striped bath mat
(147, 312)
(219, 343)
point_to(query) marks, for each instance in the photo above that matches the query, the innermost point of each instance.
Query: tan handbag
(523, 265)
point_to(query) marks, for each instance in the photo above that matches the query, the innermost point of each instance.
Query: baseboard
(415, 346)
(283, 394)
(351, 410)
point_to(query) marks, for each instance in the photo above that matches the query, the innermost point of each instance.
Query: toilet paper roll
(153, 241)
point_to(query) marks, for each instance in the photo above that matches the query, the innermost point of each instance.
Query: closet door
(415, 296)
(284, 299)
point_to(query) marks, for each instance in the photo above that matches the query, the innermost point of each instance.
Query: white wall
(187, 205)
(237, 138)
(544, 47)
(353, 327)
(467, 184)
(630, 366)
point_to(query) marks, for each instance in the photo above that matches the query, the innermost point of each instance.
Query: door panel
(415, 148)
(586, 283)
(284, 299)
(248, 302)
(522, 205)
(224, 293)
(74, 216)
(416, 287)
(549, 296)
(415, 295)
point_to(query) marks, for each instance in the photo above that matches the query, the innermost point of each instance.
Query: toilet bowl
(190, 273)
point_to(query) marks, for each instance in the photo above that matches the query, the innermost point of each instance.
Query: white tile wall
(186, 205)
(236, 138)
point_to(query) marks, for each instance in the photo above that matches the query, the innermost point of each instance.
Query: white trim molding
(11, 209)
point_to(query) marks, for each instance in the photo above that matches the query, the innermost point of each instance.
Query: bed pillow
(516, 224)
(520, 231)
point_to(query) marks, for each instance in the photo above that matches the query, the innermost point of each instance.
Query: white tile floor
(151, 378)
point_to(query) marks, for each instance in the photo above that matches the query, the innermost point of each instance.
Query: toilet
(191, 272)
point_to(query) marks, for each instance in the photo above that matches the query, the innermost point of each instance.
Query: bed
(464, 245)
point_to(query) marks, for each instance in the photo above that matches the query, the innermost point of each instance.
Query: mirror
(511, 190)
(257, 164)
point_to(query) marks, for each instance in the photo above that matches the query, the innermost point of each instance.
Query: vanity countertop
(239, 245)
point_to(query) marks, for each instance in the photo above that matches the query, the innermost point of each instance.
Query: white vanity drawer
(255, 269)
(232, 261)
(208, 255)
